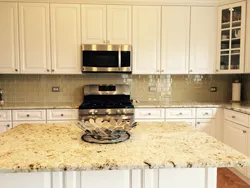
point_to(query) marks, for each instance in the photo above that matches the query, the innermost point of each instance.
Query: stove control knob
(107, 112)
(119, 112)
(91, 112)
(96, 111)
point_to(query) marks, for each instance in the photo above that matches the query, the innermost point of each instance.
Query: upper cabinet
(231, 42)
(65, 38)
(247, 59)
(175, 39)
(203, 39)
(146, 39)
(9, 54)
(103, 24)
(34, 37)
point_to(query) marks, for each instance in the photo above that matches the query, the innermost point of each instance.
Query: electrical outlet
(213, 89)
(152, 89)
(56, 89)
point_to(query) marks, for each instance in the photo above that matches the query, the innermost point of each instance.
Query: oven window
(100, 58)
(125, 59)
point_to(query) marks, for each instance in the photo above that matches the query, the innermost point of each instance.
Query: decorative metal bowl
(106, 132)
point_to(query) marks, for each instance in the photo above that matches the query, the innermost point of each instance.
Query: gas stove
(106, 101)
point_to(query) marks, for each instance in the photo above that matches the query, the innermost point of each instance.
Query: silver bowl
(101, 129)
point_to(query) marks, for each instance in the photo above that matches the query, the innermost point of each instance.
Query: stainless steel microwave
(106, 58)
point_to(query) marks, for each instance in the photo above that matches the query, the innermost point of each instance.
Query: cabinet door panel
(206, 125)
(4, 126)
(146, 39)
(175, 39)
(34, 38)
(66, 38)
(203, 40)
(119, 24)
(9, 38)
(93, 24)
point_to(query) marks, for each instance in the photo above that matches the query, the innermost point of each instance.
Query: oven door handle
(119, 58)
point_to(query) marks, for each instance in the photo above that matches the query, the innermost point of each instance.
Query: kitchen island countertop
(58, 147)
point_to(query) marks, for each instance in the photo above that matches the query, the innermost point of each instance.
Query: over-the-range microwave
(106, 58)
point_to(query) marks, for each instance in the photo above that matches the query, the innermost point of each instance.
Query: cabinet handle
(28, 115)
(47, 70)
(62, 115)
(198, 123)
(53, 70)
(16, 70)
(206, 114)
(190, 70)
(104, 41)
(233, 117)
(244, 131)
(180, 114)
(8, 125)
(149, 114)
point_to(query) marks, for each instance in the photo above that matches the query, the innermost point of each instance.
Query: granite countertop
(57, 147)
(23, 106)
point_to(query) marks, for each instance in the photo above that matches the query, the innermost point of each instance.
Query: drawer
(179, 113)
(62, 114)
(206, 113)
(236, 117)
(29, 115)
(149, 113)
(5, 115)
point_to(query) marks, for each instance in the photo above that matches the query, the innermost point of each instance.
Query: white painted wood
(30, 115)
(150, 178)
(66, 179)
(94, 24)
(146, 39)
(65, 38)
(206, 125)
(189, 121)
(16, 123)
(119, 24)
(62, 114)
(203, 40)
(173, 113)
(4, 126)
(26, 180)
(175, 39)
(105, 179)
(236, 136)
(9, 52)
(149, 120)
(149, 113)
(206, 113)
(136, 178)
(5, 115)
(247, 50)
(34, 30)
(236, 117)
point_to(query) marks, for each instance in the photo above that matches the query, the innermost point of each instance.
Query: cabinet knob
(190, 70)
(206, 114)
(158, 71)
(244, 131)
(53, 70)
(217, 70)
(198, 123)
(180, 114)
(149, 114)
(47, 70)
(28, 115)
(16, 70)
(104, 41)
(233, 117)
(8, 125)
(62, 115)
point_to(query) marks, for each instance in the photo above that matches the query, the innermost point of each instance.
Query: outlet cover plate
(56, 89)
(213, 89)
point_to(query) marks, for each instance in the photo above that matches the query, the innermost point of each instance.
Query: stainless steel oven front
(106, 58)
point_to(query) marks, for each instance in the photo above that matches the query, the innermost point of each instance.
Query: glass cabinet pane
(236, 16)
(224, 61)
(235, 61)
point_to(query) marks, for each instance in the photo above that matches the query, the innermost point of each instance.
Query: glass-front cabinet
(231, 41)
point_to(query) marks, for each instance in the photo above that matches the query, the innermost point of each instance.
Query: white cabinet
(9, 52)
(236, 136)
(203, 40)
(4, 126)
(103, 24)
(175, 39)
(29, 115)
(34, 29)
(180, 113)
(26, 180)
(146, 39)
(149, 113)
(5, 115)
(247, 51)
(93, 24)
(62, 115)
(206, 125)
(65, 38)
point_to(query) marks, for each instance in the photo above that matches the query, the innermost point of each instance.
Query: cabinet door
(236, 137)
(4, 126)
(9, 38)
(34, 38)
(65, 38)
(203, 40)
(206, 125)
(175, 40)
(146, 39)
(118, 24)
(93, 24)
(26, 180)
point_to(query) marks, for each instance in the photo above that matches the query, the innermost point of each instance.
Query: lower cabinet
(206, 125)
(236, 136)
(4, 126)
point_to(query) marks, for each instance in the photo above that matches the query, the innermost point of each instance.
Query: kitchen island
(158, 155)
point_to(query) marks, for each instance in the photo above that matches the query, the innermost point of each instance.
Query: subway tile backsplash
(169, 88)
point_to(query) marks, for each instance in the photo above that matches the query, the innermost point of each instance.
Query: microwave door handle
(119, 58)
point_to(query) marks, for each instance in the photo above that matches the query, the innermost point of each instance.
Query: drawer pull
(244, 131)
(198, 123)
(28, 115)
(8, 125)
(180, 114)
(62, 115)
(149, 114)
(233, 117)
(206, 114)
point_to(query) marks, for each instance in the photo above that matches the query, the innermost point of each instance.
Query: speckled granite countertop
(57, 147)
(22, 106)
